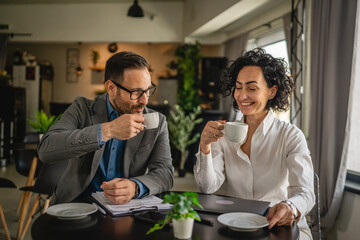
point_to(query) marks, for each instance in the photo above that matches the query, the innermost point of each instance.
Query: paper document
(133, 206)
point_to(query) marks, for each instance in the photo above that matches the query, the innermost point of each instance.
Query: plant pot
(183, 228)
(40, 136)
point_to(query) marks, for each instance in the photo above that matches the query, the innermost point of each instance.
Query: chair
(23, 161)
(26, 160)
(5, 183)
(27, 164)
(313, 218)
(23, 204)
(32, 138)
(45, 184)
(25, 152)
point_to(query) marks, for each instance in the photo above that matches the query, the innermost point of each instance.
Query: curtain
(332, 38)
(3, 50)
(235, 46)
(233, 49)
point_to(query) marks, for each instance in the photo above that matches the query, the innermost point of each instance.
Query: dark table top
(98, 226)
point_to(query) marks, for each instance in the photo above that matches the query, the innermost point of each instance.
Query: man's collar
(111, 110)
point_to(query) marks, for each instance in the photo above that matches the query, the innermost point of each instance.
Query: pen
(100, 209)
(206, 222)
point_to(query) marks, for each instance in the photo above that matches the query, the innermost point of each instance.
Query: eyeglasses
(136, 94)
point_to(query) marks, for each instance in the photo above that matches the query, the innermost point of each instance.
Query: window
(353, 154)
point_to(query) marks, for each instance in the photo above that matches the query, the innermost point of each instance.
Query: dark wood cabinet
(57, 108)
(12, 118)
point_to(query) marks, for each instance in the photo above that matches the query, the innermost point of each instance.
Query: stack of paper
(133, 206)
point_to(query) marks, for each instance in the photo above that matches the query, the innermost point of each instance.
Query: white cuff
(204, 161)
(300, 204)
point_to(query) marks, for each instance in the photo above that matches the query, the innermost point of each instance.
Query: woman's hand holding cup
(212, 132)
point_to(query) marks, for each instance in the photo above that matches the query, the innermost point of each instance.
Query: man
(105, 141)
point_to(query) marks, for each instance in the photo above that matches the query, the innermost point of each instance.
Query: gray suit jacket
(75, 137)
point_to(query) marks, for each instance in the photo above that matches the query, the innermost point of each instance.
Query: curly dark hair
(274, 71)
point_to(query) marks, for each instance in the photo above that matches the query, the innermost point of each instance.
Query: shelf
(99, 69)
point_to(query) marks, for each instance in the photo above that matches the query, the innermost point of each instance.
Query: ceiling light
(135, 10)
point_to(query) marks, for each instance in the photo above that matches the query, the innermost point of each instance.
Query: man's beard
(127, 108)
(122, 107)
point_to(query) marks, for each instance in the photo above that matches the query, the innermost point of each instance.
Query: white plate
(71, 211)
(241, 221)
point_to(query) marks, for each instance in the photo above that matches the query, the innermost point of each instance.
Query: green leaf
(182, 208)
(188, 59)
(181, 126)
(159, 225)
(42, 123)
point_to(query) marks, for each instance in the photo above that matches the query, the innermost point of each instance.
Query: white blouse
(279, 167)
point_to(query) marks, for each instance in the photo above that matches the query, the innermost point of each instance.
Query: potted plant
(182, 214)
(188, 59)
(95, 56)
(181, 126)
(42, 122)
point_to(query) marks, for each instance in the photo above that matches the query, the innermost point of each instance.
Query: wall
(199, 12)
(103, 22)
(276, 12)
(158, 56)
(209, 22)
(347, 223)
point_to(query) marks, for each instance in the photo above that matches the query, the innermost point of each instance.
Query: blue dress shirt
(112, 161)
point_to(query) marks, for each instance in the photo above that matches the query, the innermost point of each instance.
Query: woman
(274, 162)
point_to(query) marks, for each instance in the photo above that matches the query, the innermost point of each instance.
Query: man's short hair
(117, 63)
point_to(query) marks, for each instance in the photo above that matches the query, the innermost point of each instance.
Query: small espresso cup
(236, 131)
(151, 120)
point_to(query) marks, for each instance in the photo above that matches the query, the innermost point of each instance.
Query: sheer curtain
(332, 39)
(235, 46)
(233, 49)
(353, 123)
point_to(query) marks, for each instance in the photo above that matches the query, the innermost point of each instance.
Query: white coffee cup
(151, 120)
(236, 131)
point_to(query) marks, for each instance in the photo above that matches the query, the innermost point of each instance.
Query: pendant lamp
(135, 10)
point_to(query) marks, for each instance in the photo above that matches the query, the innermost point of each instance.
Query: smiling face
(252, 92)
(133, 79)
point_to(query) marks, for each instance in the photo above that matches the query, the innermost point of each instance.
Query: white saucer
(241, 221)
(71, 211)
